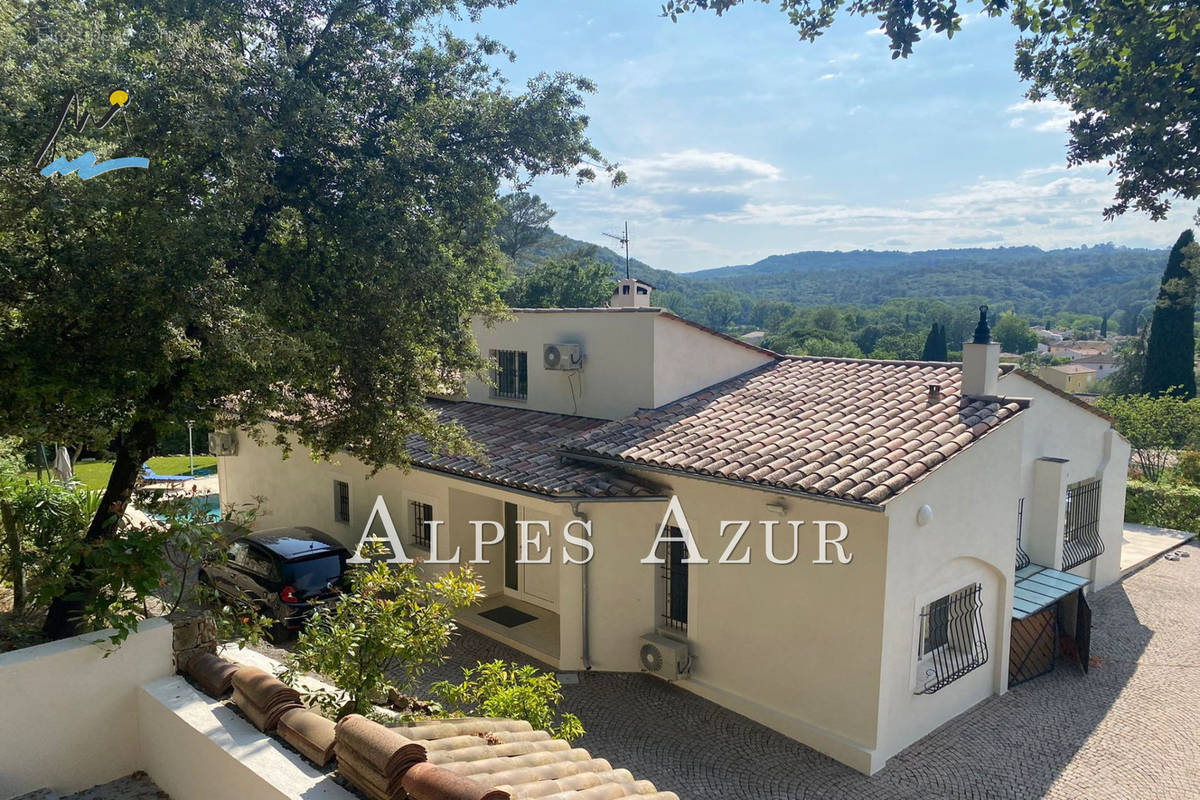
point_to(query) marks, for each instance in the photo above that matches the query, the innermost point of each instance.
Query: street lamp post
(191, 456)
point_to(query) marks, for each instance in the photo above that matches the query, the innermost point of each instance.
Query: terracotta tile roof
(850, 429)
(510, 756)
(521, 451)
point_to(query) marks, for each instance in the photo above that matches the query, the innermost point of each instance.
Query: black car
(282, 572)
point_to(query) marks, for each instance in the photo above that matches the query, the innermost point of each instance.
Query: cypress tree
(935, 344)
(1171, 350)
(1104, 327)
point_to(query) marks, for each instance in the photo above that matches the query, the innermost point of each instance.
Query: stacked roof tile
(520, 450)
(857, 430)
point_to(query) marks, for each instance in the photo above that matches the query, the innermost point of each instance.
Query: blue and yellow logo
(86, 164)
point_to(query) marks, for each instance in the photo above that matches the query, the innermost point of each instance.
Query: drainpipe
(585, 649)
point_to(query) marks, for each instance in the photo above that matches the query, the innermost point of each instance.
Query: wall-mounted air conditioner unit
(222, 443)
(562, 356)
(664, 657)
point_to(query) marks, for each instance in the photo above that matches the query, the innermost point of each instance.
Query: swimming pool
(207, 504)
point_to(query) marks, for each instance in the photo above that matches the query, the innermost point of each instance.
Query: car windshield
(313, 574)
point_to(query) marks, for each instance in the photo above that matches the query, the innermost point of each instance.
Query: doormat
(507, 616)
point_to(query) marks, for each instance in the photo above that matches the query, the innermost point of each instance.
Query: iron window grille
(953, 641)
(421, 513)
(341, 501)
(1022, 556)
(1081, 536)
(510, 377)
(674, 575)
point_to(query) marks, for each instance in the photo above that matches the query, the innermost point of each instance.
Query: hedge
(1163, 505)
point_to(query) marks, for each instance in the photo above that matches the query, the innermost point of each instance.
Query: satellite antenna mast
(623, 239)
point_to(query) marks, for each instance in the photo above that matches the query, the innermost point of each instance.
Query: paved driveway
(1130, 729)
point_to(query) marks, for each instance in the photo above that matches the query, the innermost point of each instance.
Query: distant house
(1071, 378)
(979, 505)
(1105, 364)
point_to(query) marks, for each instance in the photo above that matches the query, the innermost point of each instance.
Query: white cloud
(828, 76)
(699, 170)
(1047, 116)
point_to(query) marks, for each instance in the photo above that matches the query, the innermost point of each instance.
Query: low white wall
(197, 749)
(68, 715)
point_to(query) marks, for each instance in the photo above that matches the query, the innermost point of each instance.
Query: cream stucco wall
(1056, 428)
(793, 646)
(68, 714)
(970, 538)
(633, 358)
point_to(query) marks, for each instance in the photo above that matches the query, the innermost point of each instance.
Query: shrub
(382, 633)
(496, 689)
(1188, 468)
(1173, 506)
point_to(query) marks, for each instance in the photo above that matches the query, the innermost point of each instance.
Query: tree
(382, 633)
(310, 240)
(513, 691)
(935, 344)
(524, 220)
(577, 280)
(719, 308)
(1129, 367)
(1014, 334)
(1124, 68)
(1171, 349)
(1104, 325)
(1156, 427)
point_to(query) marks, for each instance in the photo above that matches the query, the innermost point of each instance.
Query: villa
(885, 544)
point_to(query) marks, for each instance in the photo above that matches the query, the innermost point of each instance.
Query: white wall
(633, 358)
(687, 359)
(795, 646)
(1055, 427)
(68, 715)
(970, 538)
(195, 748)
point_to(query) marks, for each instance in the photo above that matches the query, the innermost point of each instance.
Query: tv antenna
(623, 239)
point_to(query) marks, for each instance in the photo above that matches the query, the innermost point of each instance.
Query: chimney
(631, 293)
(981, 361)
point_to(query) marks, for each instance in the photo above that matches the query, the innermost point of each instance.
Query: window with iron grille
(510, 376)
(341, 501)
(674, 582)
(952, 639)
(1081, 535)
(420, 513)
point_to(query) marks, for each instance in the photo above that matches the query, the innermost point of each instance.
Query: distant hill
(1033, 281)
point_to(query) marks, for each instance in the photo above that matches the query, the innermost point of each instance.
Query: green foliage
(935, 344)
(1014, 334)
(1171, 349)
(382, 633)
(313, 237)
(1188, 468)
(577, 280)
(512, 691)
(524, 220)
(1175, 506)
(1124, 68)
(1155, 427)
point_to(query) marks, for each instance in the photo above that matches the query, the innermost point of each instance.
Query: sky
(742, 141)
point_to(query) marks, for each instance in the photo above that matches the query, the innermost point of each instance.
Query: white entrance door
(533, 583)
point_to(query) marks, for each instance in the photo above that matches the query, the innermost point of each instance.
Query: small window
(625, 289)
(642, 290)
(673, 579)
(952, 639)
(341, 501)
(420, 513)
(258, 563)
(510, 377)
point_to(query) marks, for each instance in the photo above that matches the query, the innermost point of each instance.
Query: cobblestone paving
(1128, 730)
(137, 786)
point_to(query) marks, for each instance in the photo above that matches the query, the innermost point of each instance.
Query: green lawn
(94, 474)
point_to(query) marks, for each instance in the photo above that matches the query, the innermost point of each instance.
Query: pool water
(207, 504)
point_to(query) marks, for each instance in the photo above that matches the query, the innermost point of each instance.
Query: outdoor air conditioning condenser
(562, 356)
(665, 657)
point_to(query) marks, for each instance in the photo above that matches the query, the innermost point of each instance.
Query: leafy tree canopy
(312, 235)
(1014, 334)
(1127, 70)
(524, 220)
(577, 280)
(1171, 349)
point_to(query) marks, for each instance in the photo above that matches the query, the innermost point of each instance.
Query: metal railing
(1081, 535)
(674, 572)
(1022, 556)
(511, 375)
(953, 641)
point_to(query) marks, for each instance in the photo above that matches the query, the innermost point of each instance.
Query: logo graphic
(86, 164)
